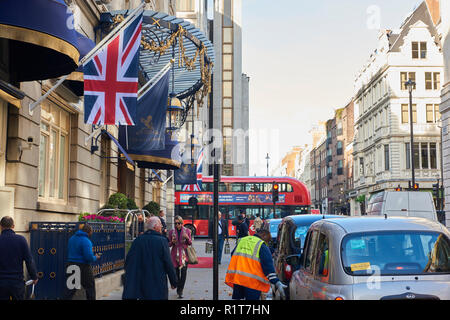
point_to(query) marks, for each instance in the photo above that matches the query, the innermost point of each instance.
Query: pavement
(199, 281)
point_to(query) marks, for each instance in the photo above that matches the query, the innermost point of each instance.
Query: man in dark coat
(222, 235)
(148, 264)
(14, 250)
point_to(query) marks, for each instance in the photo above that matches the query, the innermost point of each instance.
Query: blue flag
(149, 132)
(186, 174)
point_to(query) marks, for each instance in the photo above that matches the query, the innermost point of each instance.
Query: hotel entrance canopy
(167, 38)
(41, 39)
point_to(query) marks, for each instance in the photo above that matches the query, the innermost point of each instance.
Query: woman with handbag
(179, 241)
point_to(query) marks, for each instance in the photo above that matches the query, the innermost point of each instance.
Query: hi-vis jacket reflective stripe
(245, 267)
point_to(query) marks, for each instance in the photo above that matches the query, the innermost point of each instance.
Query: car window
(391, 253)
(322, 258)
(284, 240)
(298, 238)
(310, 250)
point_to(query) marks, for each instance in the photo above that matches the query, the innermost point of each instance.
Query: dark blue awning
(75, 80)
(42, 40)
(167, 159)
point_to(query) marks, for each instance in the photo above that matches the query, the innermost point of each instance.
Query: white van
(403, 203)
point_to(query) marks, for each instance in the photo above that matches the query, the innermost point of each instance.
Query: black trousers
(87, 282)
(12, 292)
(181, 278)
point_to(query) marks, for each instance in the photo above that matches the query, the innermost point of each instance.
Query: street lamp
(173, 115)
(267, 158)
(411, 85)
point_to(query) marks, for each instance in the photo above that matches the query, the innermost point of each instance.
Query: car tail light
(288, 272)
(339, 298)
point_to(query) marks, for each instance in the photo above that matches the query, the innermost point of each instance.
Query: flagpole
(33, 105)
(146, 87)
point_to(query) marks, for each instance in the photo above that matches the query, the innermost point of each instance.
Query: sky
(302, 57)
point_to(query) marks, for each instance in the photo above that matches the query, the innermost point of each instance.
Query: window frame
(310, 246)
(409, 75)
(386, 158)
(406, 110)
(57, 128)
(318, 276)
(420, 51)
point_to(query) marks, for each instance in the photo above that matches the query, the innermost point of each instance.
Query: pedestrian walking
(80, 254)
(246, 221)
(14, 251)
(139, 226)
(222, 233)
(258, 223)
(148, 265)
(241, 228)
(179, 240)
(251, 270)
(163, 222)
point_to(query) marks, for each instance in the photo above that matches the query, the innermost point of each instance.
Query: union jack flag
(111, 79)
(198, 186)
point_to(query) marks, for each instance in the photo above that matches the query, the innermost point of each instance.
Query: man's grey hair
(152, 223)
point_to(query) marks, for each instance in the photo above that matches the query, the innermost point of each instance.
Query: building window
(340, 167)
(186, 5)
(436, 81)
(386, 157)
(419, 50)
(408, 156)
(432, 80)
(53, 153)
(227, 35)
(105, 151)
(405, 113)
(432, 113)
(339, 150)
(227, 62)
(433, 155)
(437, 114)
(404, 77)
(227, 117)
(227, 89)
(425, 155)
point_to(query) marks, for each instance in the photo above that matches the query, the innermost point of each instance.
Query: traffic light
(275, 190)
(436, 190)
(416, 186)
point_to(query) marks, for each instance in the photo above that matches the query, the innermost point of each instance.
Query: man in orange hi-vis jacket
(251, 269)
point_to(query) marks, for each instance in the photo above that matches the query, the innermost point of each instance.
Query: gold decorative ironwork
(183, 60)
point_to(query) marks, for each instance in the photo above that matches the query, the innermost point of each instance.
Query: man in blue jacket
(14, 250)
(81, 255)
(148, 264)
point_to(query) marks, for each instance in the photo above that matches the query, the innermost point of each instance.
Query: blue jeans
(220, 245)
(240, 292)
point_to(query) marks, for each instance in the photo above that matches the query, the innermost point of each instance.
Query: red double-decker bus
(252, 195)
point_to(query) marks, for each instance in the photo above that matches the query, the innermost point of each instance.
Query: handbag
(191, 255)
(227, 247)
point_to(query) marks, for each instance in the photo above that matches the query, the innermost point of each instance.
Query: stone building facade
(381, 147)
